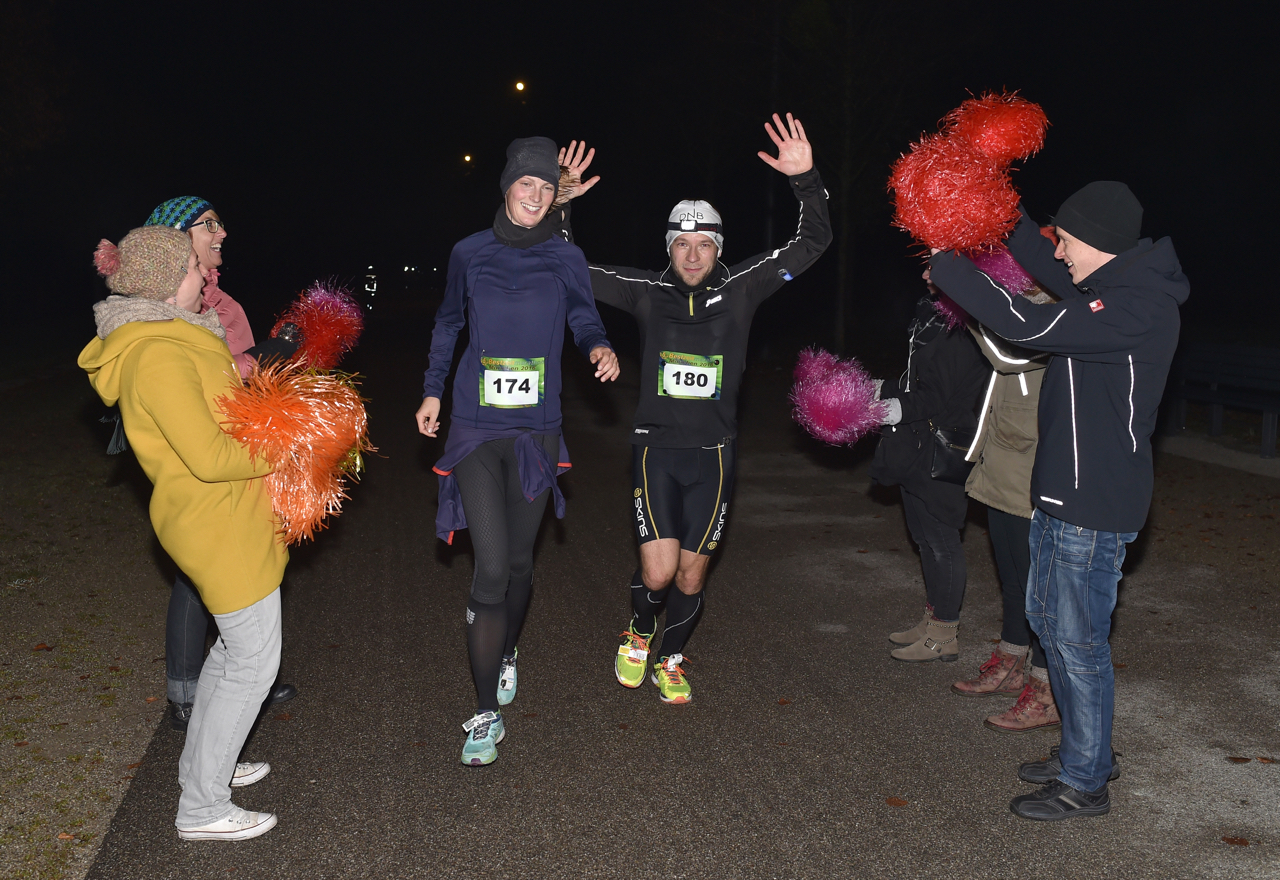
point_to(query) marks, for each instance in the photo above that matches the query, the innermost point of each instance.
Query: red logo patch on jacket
(1096, 305)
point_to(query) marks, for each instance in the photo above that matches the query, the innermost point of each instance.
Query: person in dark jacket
(1112, 337)
(515, 285)
(940, 389)
(694, 318)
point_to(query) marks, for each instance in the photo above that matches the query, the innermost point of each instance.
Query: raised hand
(572, 166)
(795, 156)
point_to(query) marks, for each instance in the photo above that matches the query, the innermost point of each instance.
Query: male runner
(694, 318)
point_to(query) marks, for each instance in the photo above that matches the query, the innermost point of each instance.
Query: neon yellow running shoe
(673, 687)
(630, 664)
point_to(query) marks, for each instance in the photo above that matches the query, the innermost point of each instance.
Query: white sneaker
(249, 772)
(240, 825)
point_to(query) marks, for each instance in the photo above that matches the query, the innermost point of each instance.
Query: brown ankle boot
(915, 633)
(1035, 710)
(938, 643)
(1002, 674)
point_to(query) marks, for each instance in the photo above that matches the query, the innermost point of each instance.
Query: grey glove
(892, 411)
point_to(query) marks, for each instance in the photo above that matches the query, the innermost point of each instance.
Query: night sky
(332, 141)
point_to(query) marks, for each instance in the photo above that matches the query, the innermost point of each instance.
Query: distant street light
(466, 158)
(519, 87)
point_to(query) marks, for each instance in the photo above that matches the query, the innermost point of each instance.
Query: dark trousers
(185, 630)
(941, 557)
(1010, 536)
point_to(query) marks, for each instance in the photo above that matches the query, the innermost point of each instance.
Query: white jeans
(234, 682)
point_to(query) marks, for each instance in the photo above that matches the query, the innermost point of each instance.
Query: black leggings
(941, 557)
(1010, 543)
(502, 522)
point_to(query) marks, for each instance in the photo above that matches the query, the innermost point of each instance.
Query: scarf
(116, 311)
(513, 234)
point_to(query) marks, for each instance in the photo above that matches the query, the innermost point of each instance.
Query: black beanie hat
(536, 157)
(1105, 214)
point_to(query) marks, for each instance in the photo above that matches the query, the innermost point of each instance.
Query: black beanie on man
(534, 156)
(1105, 214)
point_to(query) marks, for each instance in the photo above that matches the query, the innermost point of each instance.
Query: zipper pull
(691, 305)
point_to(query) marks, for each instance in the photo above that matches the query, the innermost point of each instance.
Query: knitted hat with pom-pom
(149, 262)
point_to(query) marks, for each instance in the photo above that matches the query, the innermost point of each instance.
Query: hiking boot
(507, 679)
(484, 731)
(1035, 710)
(249, 772)
(1042, 772)
(915, 633)
(938, 643)
(239, 825)
(673, 687)
(1002, 674)
(1057, 801)
(632, 661)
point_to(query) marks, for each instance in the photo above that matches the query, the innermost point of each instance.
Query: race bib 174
(511, 383)
(692, 376)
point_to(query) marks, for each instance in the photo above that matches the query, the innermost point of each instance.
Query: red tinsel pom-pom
(1002, 127)
(311, 428)
(106, 258)
(834, 399)
(330, 322)
(950, 196)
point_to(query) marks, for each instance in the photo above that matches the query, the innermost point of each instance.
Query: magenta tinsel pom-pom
(330, 322)
(1003, 127)
(950, 311)
(1003, 269)
(834, 399)
(106, 258)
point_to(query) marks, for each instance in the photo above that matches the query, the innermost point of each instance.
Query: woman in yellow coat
(165, 365)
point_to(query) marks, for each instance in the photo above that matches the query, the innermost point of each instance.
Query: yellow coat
(210, 511)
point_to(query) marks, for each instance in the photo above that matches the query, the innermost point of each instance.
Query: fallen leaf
(152, 699)
(995, 641)
(783, 701)
(1236, 841)
(134, 766)
(83, 677)
(623, 727)
(895, 802)
(42, 647)
(784, 744)
(419, 743)
(113, 669)
(1119, 665)
(17, 744)
(157, 659)
(1253, 607)
(1261, 760)
(528, 714)
(864, 551)
(1234, 760)
(284, 716)
(62, 835)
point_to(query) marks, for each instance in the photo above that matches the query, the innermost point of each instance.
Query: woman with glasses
(515, 286)
(187, 625)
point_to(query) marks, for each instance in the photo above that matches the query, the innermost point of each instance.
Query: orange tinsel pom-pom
(1002, 127)
(950, 196)
(311, 428)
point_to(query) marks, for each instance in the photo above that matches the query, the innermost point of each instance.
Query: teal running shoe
(507, 679)
(484, 732)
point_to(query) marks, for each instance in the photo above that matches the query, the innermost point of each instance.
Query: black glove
(281, 346)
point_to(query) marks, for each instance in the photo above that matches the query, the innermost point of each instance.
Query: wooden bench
(1233, 376)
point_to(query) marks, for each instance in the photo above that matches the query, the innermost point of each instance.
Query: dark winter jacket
(701, 334)
(1113, 338)
(942, 383)
(515, 301)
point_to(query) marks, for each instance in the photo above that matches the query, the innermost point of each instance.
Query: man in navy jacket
(1112, 337)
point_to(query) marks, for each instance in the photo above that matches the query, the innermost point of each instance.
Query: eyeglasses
(212, 225)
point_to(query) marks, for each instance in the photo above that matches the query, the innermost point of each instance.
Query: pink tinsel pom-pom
(330, 322)
(1003, 127)
(1003, 269)
(834, 399)
(106, 258)
(949, 310)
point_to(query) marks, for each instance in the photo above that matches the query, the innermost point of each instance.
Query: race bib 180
(693, 376)
(511, 382)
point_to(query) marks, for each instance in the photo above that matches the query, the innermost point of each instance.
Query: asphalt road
(807, 751)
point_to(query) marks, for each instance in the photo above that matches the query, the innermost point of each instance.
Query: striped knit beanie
(180, 213)
(150, 262)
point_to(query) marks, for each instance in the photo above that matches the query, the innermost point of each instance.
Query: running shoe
(249, 772)
(630, 664)
(484, 732)
(507, 679)
(673, 687)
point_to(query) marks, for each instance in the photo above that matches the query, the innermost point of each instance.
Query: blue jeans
(1071, 593)
(185, 630)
